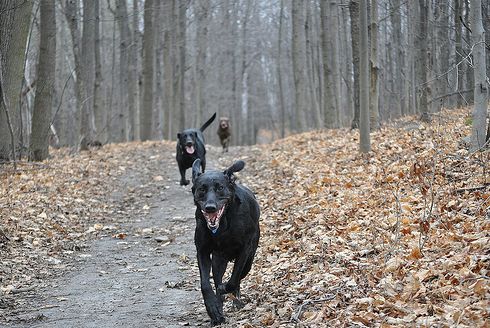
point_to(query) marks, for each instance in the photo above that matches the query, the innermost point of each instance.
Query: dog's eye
(219, 188)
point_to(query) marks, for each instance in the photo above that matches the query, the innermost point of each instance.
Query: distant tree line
(82, 72)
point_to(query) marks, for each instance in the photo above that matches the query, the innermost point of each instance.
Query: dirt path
(140, 269)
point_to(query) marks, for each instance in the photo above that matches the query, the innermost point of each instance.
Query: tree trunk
(328, 54)
(421, 63)
(134, 105)
(100, 110)
(315, 118)
(282, 108)
(442, 50)
(87, 61)
(14, 27)
(468, 69)
(148, 49)
(374, 68)
(168, 67)
(200, 66)
(299, 65)
(124, 68)
(354, 18)
(364, 140)
(459, 50)
(480, 85)
(181, 35)
(398, 48)
(46, 68)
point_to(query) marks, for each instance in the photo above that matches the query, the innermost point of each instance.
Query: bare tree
(365, 143)
(480, 91)
(100, 110)
(299, 65)
(354, 18)
(46, 68)
(282, 108)
(148, 56)
(124, 68)
(421, 63)
(14, 26)
(87, 62)
(200, 63)
(374, 67)
(329, 61)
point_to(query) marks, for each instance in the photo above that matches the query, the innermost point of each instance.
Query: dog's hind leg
(237, 302)
(234, 282)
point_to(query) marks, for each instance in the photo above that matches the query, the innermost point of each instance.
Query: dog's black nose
(188, 143)
(210, 208)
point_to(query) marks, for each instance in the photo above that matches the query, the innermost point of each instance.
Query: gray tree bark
(421, 63)
(14, 27)
(299, 65)
(374, 68)
(46, 68)
(282, 108)
(148, 57)
(134, 105)
(122, 119)
(100, 110)
(168, 66)
(459, 50)
(354, 18)
(328, 57)
(87, 61)
(480, 92)
(200, 65)
(399, 77)
(181, 44)
(364, 140)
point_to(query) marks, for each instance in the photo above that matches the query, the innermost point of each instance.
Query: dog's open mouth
(189, 149)
(212, 219)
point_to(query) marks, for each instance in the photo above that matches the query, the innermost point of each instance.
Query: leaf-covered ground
(399, 237)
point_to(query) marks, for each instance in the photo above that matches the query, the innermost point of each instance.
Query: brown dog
(224, 132)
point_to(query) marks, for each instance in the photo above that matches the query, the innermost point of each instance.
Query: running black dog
(224, 132)
(190, 146)
(227, 229)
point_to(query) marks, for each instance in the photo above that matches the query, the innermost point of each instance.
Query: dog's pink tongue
(189, 149)
(212, 217)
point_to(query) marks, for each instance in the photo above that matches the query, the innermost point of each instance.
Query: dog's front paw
(218, 321)
(215, 311)
(184, 182)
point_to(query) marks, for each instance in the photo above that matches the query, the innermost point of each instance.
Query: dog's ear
(236, 167)
(178, 136)
(196, 169)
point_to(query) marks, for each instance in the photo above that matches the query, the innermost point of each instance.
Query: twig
(299, 311)
(463, 190)
(21, 290)
(425, 223)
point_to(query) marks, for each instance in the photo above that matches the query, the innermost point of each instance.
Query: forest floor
(399, 237)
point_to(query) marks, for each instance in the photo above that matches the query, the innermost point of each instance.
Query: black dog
(227, 228)
(190, 146)
(224, 132)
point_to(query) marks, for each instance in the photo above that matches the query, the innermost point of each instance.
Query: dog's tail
(205, 125)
